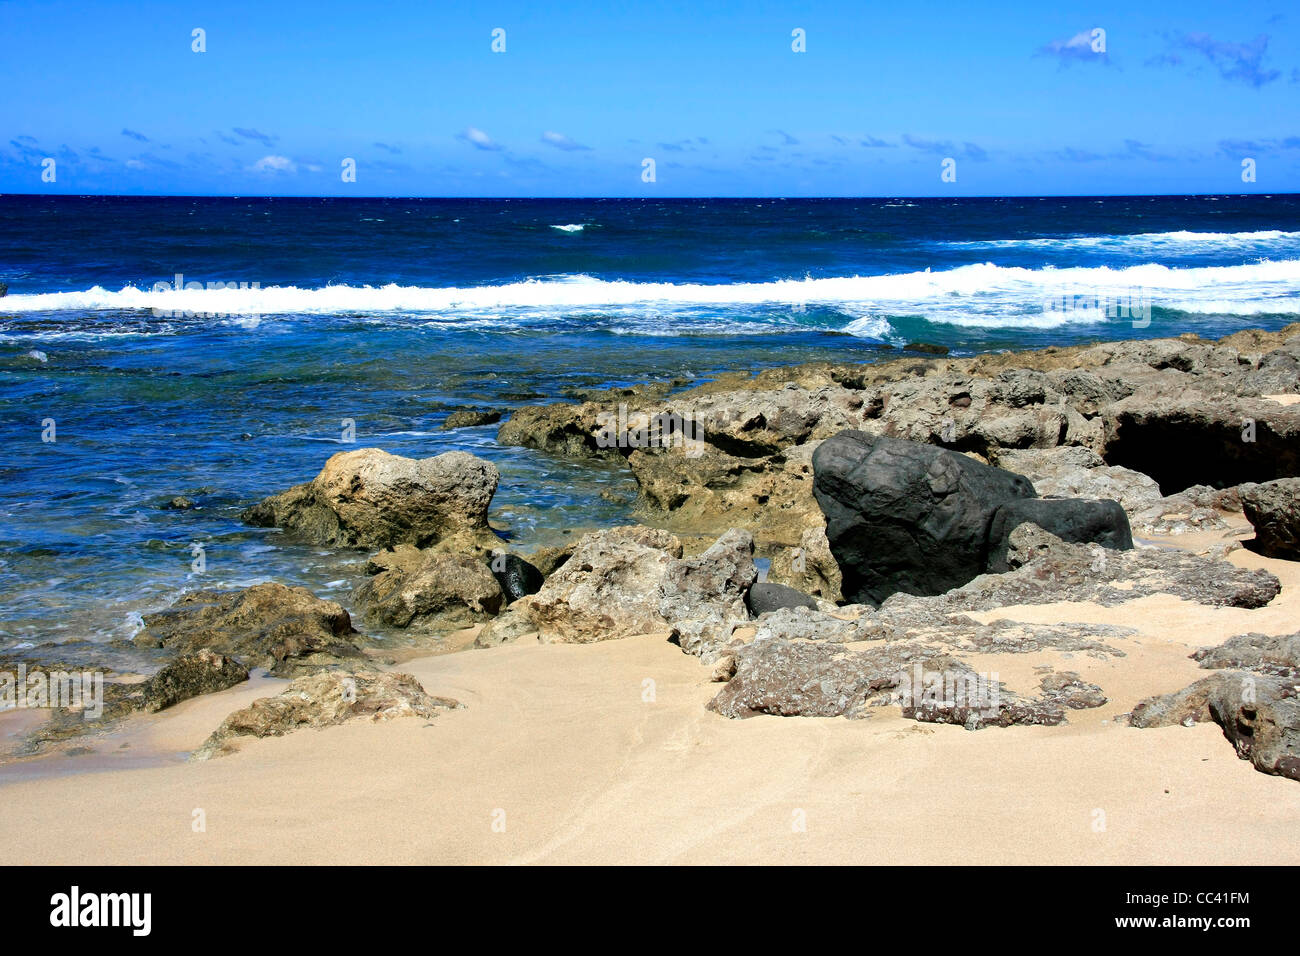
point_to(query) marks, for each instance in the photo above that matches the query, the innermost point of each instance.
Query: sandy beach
(558, 743)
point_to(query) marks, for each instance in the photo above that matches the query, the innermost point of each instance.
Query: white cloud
(275, 164)
(560, 141)
(479, 139)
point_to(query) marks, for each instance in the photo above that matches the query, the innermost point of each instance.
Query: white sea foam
(976, 295)
(571, 227)
(1179, 242)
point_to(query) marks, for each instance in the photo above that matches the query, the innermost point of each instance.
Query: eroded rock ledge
(1134, 421)
(326, 699)
(1254, 697)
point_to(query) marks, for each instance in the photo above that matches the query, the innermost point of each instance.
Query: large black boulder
(516, 576)
(1077, 520)
(905, 516)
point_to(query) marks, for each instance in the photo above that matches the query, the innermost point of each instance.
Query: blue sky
(1014, 93)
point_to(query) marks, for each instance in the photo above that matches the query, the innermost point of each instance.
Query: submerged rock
(325, 700)
(470, 418)
(371, 499)
(285, 630)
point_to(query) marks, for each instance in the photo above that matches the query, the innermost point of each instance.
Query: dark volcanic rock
(1278, 656)
(285, 630)
(1274, 509)
(1181, 410)
(189, 676)
(795, 679)
(792, 679)
(903, 516)
(470, 417)
(765, 596)
(1259, 714)
(1257, 706)
(516, 576)
(1046, 569)
(1076, 520)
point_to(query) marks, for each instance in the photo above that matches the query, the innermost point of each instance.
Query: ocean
(223, 348)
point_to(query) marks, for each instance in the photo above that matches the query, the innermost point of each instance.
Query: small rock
(325, 700)
(517, 577)
(765, 596)
(191, 675)
(470, 418)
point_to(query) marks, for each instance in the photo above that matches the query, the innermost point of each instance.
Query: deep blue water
(388, 312)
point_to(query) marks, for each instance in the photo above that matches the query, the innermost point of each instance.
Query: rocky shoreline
(823, 537)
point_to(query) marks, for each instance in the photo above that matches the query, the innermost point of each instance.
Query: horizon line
(1172, 195)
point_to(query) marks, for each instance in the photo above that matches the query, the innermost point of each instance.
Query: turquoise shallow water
(391, 312)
